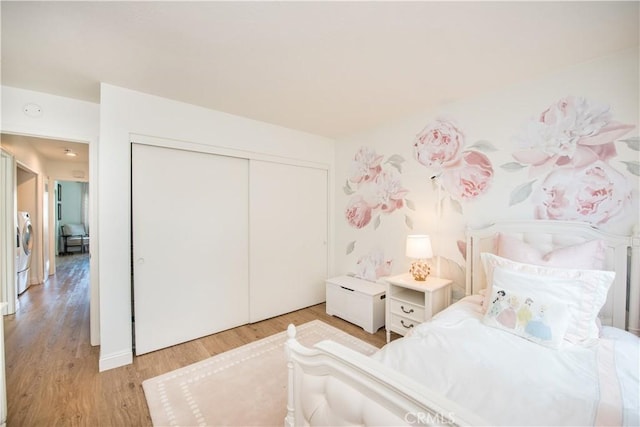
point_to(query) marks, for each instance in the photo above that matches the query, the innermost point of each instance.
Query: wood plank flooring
(52, 369)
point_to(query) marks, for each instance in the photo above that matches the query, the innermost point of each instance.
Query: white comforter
(508, 380)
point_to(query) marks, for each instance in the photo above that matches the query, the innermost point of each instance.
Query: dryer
(24, 244)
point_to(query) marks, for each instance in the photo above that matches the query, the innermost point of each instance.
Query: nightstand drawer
(402, 324)
(411, 302)
(406, 309)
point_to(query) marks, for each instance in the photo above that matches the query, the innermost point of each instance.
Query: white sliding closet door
(288, 229)
(190, 245)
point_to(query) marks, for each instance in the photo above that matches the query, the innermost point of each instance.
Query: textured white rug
(245, 386)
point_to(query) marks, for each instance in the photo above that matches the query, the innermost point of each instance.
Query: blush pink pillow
(587, 256)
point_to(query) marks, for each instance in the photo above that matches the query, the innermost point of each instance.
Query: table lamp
(419, 248)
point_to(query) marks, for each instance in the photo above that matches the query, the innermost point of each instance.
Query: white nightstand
(410, 302)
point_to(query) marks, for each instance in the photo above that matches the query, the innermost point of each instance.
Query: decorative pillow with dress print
(541, 321)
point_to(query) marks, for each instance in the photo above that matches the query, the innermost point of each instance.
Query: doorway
(36, 165)
(72, 229)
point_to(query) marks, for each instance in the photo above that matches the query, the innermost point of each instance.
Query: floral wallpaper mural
(460, 173)
(375, 188)
(569, 150)
(464, 173)
(568, 164)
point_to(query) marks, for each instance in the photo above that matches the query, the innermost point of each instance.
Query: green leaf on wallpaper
(520, 193)
(483, 145)
(408, 221)
(513, 166)
(410, 204)
(350, 247)
(633, 143)
(396, 161)
(347, 189)
(396, 158)
(376, 223)
(633, 167)
(455, 205)
(397, 166)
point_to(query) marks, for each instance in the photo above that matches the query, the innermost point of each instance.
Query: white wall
(62, 118)
(495, 118)
(125, 112)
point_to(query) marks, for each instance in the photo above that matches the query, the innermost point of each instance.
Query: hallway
(50, 364)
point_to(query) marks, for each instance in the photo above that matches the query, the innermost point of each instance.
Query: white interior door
(190, 245)
(288, 229)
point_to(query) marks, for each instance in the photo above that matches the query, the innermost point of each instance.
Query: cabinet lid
(358, 285)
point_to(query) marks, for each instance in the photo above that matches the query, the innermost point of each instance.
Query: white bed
(456, 370)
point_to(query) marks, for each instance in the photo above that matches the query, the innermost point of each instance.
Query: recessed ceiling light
(68, 152)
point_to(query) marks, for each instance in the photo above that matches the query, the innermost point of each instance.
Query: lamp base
(420, 270)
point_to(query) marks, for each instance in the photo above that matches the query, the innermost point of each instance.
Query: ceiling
(50, 149)
(329, 68)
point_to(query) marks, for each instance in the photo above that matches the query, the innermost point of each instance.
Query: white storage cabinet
(357, 301)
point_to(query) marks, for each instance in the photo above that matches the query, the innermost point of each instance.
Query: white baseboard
(115, 360)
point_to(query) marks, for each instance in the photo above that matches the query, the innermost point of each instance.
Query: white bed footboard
(330, 384)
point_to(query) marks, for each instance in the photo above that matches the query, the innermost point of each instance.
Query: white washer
(24, 244)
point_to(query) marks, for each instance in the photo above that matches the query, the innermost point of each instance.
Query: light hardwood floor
(52, 370)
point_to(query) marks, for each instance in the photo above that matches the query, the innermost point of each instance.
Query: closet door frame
(251, 155)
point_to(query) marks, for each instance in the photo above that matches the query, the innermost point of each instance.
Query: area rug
(245, 386)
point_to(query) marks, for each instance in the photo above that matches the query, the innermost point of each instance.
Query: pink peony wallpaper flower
(358, 212)
(568, 150)
(374, 189)
(439, 145)
(470, 180)
(465, 173)
(594, 193)
(573, 132)
(365, 166)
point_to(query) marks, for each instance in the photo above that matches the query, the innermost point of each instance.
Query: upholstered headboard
(622, 255)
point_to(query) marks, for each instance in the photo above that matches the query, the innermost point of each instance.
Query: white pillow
(589, 255)
(527, 315)
(584, 292)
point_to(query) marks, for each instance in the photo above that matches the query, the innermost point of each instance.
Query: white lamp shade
(419, 246)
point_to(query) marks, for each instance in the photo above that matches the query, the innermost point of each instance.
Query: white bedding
(508, 380)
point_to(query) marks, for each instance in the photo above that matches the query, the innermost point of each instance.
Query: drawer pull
(406, 326)
(346, 289)
(405, 311)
